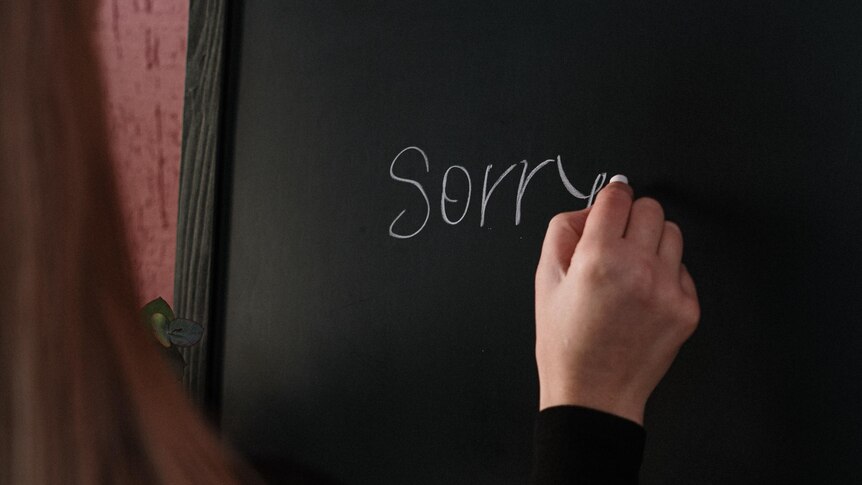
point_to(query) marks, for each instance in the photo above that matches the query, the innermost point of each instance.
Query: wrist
(611, 402)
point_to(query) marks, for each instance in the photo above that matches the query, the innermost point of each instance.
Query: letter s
(411, 182)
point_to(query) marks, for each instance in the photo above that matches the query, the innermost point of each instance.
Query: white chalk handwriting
(446, 196)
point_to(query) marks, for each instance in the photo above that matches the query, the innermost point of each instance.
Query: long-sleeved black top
(573, 446)
(583, 446)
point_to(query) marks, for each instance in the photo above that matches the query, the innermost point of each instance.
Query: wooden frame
(203, 190)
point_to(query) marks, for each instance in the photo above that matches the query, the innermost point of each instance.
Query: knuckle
(650, 205)
(640, 279)
(694, 315)
(689, 317)
(558, 220)
(635, 279)
(672, 230)
(599, 269)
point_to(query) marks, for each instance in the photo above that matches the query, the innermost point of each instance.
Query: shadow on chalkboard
(678, 202)
(278, 470)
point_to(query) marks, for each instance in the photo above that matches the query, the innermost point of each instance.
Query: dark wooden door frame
(204, 190)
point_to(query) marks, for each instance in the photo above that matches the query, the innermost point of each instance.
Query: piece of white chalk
(619, 178)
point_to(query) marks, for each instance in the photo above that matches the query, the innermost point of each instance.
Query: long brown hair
(84, 396)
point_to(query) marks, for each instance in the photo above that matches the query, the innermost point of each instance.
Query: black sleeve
(578, 445)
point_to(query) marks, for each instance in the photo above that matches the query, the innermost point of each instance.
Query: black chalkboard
(384, 360)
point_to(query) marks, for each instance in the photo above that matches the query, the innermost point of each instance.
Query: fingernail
(619, 178)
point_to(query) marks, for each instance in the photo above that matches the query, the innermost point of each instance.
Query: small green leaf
(158, 306)
(184, 333)
(160, 327)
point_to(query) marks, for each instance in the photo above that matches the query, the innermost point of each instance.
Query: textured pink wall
(143, 48)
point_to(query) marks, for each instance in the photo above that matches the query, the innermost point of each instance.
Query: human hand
(614, 304)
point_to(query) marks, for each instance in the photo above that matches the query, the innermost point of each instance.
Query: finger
(561, 239)
(610, 213)
(686, 282)
(670, 246)
(646, 224)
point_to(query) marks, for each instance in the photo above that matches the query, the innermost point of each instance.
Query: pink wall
(143, 47)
